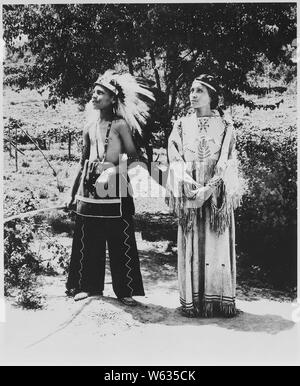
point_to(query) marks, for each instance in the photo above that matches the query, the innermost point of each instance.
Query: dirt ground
(102, 331)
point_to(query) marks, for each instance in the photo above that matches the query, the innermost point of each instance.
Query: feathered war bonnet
(133, 99)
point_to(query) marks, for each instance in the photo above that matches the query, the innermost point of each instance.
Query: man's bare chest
(112, 147)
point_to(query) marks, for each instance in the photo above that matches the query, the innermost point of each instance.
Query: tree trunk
(168, 85)
(16, 153)
(156, 74)
(69, 143)
(149, 152)
(173, 101)
(9, 138)
(129, 62)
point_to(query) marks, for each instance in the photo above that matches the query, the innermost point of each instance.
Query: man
(104, 207)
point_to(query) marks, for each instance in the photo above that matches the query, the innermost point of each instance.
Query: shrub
(61, 222)
(26, 202)
(11, 125)
(28, 296)
(60, 257)
(17, 253)
(21, 265)
(43, 193)
(267, 220)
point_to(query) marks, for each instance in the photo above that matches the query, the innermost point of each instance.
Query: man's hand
(70, 205)
(220, 167)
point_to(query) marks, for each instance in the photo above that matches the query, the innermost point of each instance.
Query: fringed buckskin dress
(203, 190)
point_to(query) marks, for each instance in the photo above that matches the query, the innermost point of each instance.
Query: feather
(134, 100)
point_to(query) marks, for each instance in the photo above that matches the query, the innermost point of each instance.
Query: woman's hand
(201, 195)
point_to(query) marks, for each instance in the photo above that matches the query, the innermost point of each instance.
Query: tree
(168, 43)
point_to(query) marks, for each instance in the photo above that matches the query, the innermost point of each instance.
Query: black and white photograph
(149, 195)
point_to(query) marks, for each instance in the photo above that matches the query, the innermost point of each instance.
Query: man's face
(101, 98)
(199, 96)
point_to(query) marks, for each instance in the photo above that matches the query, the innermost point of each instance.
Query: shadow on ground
(244, 322)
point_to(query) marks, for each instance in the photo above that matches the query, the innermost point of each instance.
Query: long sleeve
(231, 190)
(232, 180)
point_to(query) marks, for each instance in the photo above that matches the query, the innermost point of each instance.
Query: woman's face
(199, 96)
(101, 98)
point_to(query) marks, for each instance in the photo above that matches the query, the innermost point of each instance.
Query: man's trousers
(87, 266)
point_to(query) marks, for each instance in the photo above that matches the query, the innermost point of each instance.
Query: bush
(17, 254)
(61, 223)
(28, 296)
(21, 264)
(27, 201)
(266, 222)
(43, 193)
(20, 138)
(60, 258)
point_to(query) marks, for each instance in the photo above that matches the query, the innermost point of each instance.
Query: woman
(203, 190)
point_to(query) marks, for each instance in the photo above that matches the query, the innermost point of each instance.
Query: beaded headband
(102, 82)
(205, 84)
